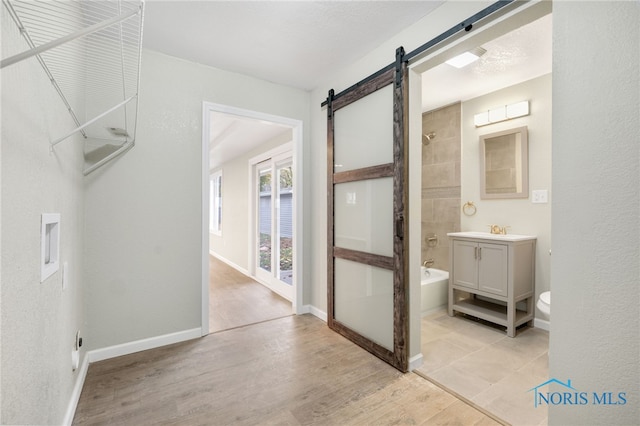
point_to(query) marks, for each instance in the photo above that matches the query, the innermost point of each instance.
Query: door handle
(400, 227)
(475, 253)
(480, 253)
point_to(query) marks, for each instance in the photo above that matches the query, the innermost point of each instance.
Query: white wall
(521, 215)
(233, 245)
(38, 320)
(144, 210)
(595, 271)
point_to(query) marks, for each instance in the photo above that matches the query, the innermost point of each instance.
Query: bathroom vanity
(490, 274)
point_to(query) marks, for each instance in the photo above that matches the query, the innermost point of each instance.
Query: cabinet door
(465, 264)
(493, 268)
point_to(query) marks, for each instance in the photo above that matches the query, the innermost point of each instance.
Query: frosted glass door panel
(364, 300)
(363, 132)
(363, 216)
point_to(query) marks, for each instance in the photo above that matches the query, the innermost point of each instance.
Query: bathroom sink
(490, 236)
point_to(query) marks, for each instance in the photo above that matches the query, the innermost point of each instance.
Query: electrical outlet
(539, 196)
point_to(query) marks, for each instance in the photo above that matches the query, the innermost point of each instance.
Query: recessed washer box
(50, 245)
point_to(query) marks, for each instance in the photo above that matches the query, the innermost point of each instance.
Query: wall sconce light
(498, 114)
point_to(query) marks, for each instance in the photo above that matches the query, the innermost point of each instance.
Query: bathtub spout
(428, 263)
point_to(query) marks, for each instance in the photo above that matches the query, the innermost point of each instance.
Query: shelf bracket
(93, 120)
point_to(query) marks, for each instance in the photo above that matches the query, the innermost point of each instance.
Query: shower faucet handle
(432, 240)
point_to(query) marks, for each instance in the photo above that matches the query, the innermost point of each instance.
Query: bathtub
(434, 289)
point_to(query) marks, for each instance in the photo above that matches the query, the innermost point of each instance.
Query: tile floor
(479, 362)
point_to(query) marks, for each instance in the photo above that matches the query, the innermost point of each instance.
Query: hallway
(236, 300)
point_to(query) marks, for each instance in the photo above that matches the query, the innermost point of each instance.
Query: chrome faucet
(428, 263)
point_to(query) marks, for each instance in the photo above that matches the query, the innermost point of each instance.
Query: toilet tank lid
(546, 297)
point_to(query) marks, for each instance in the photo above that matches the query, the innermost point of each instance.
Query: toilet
(544, 304)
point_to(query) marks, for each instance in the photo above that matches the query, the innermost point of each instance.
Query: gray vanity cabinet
(481, 266)
(492, 277)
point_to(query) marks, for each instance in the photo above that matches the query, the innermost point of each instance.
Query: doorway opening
(235, 139)
(463, 353)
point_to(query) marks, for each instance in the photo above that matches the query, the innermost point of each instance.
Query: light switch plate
(539, 196)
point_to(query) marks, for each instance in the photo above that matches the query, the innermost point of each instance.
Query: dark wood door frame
(398, 170)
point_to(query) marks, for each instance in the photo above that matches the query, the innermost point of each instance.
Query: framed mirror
(504, 164)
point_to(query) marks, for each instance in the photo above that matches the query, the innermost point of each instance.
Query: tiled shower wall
(440, 182)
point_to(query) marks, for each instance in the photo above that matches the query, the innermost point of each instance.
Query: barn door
(367, 207)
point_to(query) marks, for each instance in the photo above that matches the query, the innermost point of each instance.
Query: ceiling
(296, 43)
(233, 135)
(515, 57)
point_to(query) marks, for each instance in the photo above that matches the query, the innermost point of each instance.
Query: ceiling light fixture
(464, 59)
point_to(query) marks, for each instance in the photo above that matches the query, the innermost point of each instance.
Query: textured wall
(39, 320)
(440, 182)
(595, 265)
(144, 210)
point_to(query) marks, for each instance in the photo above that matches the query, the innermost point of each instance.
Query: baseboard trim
(415, 361)
(143, 345)
(230, 263)
(119, 350)
(540, 323)
(310, 309)
(77, 390)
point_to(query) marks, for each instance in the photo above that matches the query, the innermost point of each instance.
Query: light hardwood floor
(280, 369)
(236, 300)
(288, 371)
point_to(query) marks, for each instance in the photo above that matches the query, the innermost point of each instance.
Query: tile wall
(440, 182)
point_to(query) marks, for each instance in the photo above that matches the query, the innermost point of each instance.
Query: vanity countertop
(489, 236)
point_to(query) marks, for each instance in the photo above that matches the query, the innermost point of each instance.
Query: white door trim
(297, 132)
